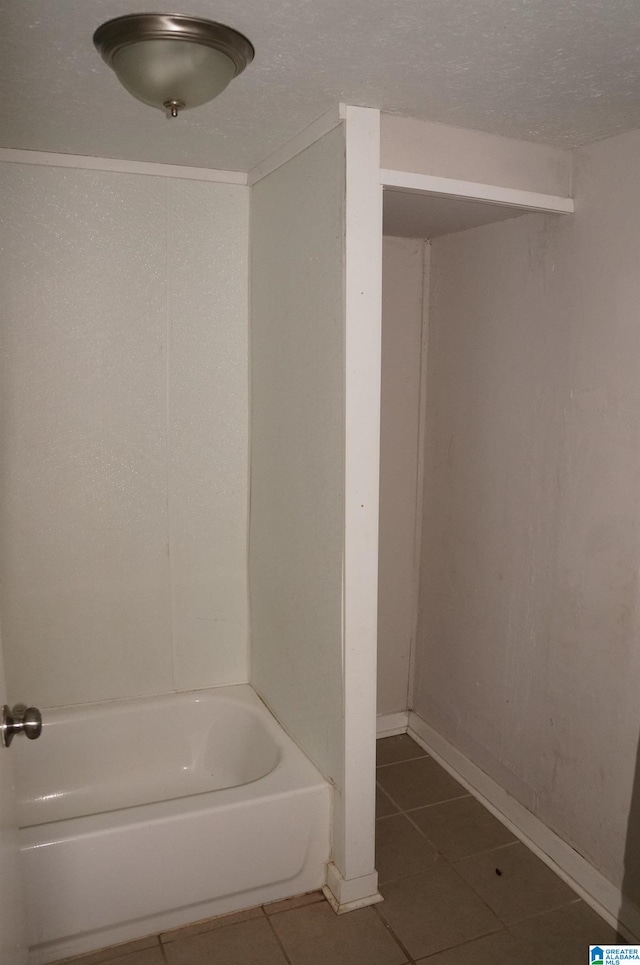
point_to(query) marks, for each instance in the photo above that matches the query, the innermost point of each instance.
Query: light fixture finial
(172, 107)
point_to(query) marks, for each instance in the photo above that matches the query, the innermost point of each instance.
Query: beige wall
(123, 486)
(424, 147)
(403, 278)
(528, 658)
(297, 446)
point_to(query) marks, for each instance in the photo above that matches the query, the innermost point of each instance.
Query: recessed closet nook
(420, 437)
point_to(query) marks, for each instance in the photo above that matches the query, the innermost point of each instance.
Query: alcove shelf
(426, 206)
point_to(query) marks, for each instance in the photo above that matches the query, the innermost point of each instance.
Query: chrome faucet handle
(20, 720)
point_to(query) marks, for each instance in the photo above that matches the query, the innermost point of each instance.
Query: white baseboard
(388, 725)
(604, 897)
(349, 894)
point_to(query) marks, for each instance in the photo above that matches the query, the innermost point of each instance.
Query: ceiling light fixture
(170, 61)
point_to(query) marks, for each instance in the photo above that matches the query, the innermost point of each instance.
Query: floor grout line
(420, 807)
(467, 941)
(406, 760)
(478, 854)
(435, 804)
(405, 951)
(540, 914)
(163, 951)
(413, 824)
(277, 938)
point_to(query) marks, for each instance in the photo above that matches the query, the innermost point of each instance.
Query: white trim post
(352, 879)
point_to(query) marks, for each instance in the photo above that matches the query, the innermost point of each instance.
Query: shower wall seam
(249, 627)
(168, 306)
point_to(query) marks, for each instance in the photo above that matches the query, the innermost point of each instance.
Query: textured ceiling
(561, 71)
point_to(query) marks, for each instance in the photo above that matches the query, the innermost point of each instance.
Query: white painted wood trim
(388, 725)
(321, 126)
(472, 191)
(81, 162)
(604, 897)
(349, 895)
(354, 815)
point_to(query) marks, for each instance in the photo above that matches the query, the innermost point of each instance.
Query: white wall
(124, 434)
(403, 270)
(424, 147)
(316, 252)
(297, 446)
(528, 659)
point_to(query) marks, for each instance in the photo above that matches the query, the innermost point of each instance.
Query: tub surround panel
(95, 530)
(297, 445)
(83, 511)
(208, 432)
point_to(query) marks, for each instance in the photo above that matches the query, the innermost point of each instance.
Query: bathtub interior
(123, 753)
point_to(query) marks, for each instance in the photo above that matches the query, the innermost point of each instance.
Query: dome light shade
(170, 61)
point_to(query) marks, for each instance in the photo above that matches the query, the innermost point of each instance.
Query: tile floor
(458, 889)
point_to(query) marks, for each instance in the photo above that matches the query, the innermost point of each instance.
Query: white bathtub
(142, 815)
